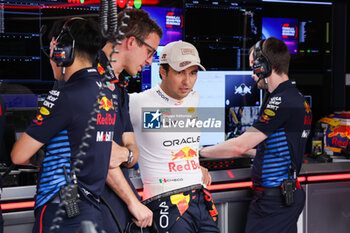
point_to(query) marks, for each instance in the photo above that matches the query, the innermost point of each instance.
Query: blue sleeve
(274, 116)
(53, 117)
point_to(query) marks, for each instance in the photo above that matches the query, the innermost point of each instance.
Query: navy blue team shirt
(286, 120)
(123, 124)
(61, 124)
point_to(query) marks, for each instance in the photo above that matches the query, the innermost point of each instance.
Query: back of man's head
(137, 23)
(277, 54)
(85, 32)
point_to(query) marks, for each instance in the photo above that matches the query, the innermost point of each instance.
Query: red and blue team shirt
(60, 125)
(286, 120)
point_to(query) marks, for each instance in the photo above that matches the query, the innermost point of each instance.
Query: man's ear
(162, 71)
(130, 42)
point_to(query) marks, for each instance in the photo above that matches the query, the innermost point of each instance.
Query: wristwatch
(131, 156)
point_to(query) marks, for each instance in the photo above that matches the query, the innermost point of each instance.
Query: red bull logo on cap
(105, 103)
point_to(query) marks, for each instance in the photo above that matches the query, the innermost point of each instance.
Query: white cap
(180, 55)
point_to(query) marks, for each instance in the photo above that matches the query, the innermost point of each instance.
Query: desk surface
(221, 176)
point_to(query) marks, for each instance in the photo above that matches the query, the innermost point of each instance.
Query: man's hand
(143, 216)
(206, 176)
(119, 154)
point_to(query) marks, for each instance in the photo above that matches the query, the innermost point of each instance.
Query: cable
(112, 213)
(108, 24)
(108, 18)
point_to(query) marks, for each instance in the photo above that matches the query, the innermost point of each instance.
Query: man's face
(142, 55)
(261, 84)
(178, 84)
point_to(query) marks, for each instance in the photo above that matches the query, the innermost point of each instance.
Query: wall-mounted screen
(170, 20)
(235, 95)
(285, 29)
(306, 28)
(222, 31)
(21, 58)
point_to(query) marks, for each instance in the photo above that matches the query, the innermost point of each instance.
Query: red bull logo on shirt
(109, 119)
(105, 103)
(307, 107)
(186, 154)
(38, 120)
(100, 69)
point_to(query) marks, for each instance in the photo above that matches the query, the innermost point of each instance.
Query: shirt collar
(283, 86)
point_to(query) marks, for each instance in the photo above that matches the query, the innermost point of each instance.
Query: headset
(63, 54)
(261, 66)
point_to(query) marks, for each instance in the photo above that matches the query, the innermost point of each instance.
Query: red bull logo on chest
(186, 154)
(105, 103)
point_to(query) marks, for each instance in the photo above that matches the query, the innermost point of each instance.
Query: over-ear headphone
(261, 65)
(63, 53)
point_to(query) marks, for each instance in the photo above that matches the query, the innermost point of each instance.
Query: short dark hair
(278, 55)
(138, 24)
(86, 33)
(166, 68)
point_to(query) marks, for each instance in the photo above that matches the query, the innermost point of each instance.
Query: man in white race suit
(169, 163)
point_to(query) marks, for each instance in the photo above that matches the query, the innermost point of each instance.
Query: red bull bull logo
(100, 69)
(184, 153)
(307, 107)
(38, 120)
(105, 103)
(341, 130)
(181, 201)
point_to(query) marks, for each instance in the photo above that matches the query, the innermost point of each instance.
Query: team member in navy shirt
(279, 135)
(138, 45)
(60, 126)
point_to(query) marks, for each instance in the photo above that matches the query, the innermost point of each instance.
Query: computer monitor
(285, 29)
(235, 95)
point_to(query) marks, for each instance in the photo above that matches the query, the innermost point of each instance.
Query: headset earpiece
(63, 54)
(261, 65)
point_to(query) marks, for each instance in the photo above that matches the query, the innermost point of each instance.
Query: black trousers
(268, 213)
